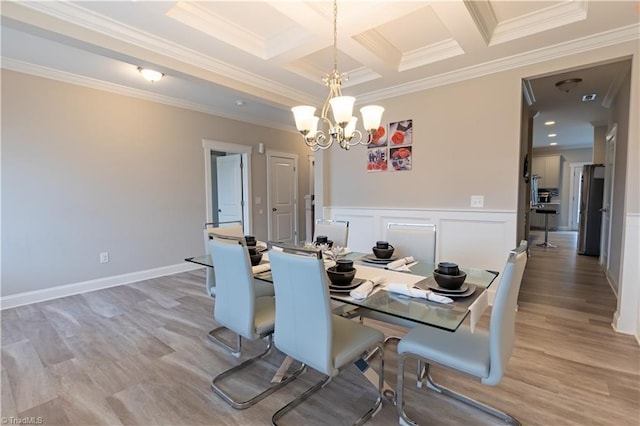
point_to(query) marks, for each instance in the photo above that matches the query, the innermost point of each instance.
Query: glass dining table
(420, 275)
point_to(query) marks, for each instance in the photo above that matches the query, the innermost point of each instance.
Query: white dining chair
(408, 239)
(413, 239)
(239, 309)
(232, 229)
(336, 231)
(480, 354)
(308, 331)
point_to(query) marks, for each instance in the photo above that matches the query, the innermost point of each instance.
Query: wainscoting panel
(475, 243)
(473, 238)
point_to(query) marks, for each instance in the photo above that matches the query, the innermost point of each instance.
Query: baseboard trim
(29, 297)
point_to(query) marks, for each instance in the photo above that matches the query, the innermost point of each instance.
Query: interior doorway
(233, 200)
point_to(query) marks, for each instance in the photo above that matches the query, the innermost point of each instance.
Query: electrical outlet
(104, 257)
(477, 201)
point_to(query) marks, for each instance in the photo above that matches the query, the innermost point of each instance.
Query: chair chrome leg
(236, 352)
(293, 404)
(403, 419)
(507, 418)
(420, 374)
(322, 383)
(241, 405)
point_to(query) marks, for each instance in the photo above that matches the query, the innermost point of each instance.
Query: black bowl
(450, 282)
(448, 268)
(383, 253)
(338, 278)
(255, 258)
(344, 265)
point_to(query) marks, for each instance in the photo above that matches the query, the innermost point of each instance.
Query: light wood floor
(138, 355)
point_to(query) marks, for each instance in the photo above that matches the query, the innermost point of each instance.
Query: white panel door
(229, 172)
(282, 198)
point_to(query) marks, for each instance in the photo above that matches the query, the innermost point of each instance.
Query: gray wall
(459, 149)
(86, 171)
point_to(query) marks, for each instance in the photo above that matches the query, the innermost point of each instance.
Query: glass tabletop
(444, 316)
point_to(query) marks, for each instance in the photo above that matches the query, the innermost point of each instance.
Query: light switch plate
(477, 201)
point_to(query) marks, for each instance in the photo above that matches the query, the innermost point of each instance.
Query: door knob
(274, 209)
(219, 210)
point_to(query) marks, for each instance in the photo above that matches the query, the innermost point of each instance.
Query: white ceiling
(271, 55)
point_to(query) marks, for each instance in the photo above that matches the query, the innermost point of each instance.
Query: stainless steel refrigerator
(591, 196)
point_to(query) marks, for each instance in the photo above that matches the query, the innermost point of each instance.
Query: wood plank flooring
(138, 355)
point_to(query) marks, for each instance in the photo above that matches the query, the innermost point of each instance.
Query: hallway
(565, 335)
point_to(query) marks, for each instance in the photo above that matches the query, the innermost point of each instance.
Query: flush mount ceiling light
(343, 129)
(150, 75)
(568, 85)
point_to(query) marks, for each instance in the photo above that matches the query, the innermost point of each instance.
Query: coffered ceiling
(253, 60)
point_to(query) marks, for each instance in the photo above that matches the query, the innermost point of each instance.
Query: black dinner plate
(346, 288)
(371, 258)
(435, 287)
(466, 293)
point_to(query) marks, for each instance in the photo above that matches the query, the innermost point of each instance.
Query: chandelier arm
(356, 138)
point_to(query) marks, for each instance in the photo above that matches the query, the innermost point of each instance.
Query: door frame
(574, 206)
(294, 157)
(231, 148)
(605, 234)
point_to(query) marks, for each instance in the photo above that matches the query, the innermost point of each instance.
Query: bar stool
(546, 213)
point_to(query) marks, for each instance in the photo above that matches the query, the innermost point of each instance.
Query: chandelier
(343, 129)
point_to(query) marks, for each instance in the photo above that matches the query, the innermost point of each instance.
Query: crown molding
(483, 16)
(92, 83)
(540, 21)
(585, 44)
(85, 18)
(426, 55)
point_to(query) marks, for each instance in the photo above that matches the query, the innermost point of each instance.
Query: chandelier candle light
(343, 129)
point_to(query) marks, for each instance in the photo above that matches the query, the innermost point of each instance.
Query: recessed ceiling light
(240, 103)
(552, 135)
(553, 143)
(588, 98)
(549, 123)
(150, 75)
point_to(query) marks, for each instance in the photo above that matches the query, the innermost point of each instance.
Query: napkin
(263, 267)
(409, 290)
(365, 289)
(400, 264)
